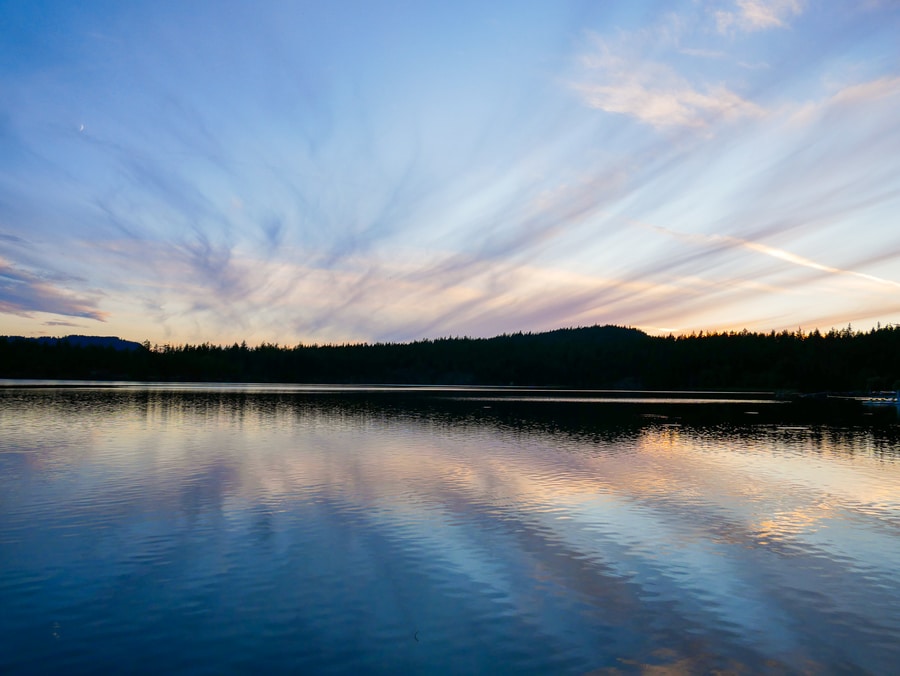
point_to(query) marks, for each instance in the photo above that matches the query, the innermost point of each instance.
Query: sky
(330, 172)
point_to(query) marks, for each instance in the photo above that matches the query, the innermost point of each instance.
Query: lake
(227, 529)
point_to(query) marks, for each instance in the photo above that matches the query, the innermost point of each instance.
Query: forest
(609, 357)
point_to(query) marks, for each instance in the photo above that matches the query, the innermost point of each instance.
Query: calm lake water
(198, 529)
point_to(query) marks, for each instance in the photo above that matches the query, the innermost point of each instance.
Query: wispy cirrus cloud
(616, 80)
(758, 15)
(867, 92)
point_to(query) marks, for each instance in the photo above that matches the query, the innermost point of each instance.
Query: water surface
(406, 530)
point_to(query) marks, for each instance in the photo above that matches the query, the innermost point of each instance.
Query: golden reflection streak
(767, 477)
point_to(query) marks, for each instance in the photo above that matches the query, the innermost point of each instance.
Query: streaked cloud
(375, 175)
(24, 293)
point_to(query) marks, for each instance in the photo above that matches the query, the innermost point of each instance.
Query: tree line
(595, 357)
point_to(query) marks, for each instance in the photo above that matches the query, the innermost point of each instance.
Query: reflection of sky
(777, 542)
(342, 171)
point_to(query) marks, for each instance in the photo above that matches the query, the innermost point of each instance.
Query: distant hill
(91, 341)
(86, 341)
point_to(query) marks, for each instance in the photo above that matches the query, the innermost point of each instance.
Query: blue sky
(387, 171)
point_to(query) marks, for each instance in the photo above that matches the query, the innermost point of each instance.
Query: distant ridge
(87, 341)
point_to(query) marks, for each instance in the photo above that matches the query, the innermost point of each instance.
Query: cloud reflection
(637, 530)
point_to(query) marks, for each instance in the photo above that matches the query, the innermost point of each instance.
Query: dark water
(229, 530)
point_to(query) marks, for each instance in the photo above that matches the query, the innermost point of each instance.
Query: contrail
(774, 252)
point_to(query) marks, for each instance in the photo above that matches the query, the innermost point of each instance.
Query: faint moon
(81, 128)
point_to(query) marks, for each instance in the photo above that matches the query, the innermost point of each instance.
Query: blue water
(199, 529)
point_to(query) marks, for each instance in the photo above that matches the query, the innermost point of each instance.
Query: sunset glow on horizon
(388, 171)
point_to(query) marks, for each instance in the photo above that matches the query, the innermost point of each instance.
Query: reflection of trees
(609, 357)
